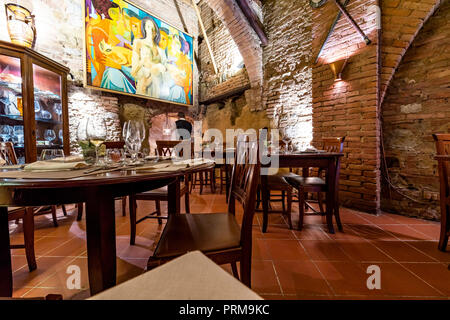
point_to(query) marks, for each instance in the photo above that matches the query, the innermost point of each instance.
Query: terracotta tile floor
(287, 264)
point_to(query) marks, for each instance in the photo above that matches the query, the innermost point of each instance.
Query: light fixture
(166, 128)
(21, 26)
(337, 68)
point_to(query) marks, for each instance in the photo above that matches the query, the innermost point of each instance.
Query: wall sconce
(337, 68)
(21, 25)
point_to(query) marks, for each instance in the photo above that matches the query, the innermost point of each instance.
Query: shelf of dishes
(15, 134)
(12, 107)
(16, 87)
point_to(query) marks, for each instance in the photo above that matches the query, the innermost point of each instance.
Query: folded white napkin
(54, 166)
(72, 158)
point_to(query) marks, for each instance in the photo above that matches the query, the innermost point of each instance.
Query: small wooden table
(324, 160)
(98, 192)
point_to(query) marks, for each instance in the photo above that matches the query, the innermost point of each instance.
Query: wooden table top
(108, 178)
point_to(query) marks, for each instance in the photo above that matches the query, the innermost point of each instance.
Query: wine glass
(5, 132)
(58, 110)
(60, 135)
(50, 135)
(18, 134)
(133, 138)
(96, 133)
(37, 106)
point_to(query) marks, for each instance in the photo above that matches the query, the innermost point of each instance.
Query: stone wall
(59, 25)
(287, 89)
(417, 105)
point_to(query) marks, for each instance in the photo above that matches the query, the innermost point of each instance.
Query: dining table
(328, 161)
(98, 190)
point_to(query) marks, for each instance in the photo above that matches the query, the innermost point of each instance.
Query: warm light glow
(337, 68)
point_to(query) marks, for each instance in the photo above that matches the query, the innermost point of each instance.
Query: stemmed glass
(49, 135)
(5, 132)
(96, 133)
(18, 134)
(58, 110)
(134, 134)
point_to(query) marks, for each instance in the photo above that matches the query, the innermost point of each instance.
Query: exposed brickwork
(243, 35)
(350, 107)
(417, 105)
(226, 55)
(287, 72)
(402, 21)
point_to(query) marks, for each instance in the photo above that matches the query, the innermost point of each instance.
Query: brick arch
(401, 20)
(243, 35)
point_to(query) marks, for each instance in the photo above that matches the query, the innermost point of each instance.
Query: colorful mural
(133, 52)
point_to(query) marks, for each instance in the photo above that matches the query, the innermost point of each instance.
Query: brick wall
(59, 25)
(349, 107)
(231, 74)
(287, 89)
(417, 105)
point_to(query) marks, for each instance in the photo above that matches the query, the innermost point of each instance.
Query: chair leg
(201, 182)
(158, 211)
(55, 221)
(213, 181)
(283, 198)
(258, 196)
(187, 202)
(221, 180)
(338, 217)
(132, 206)
(28, 235)
(445, 226)
(289, 208)
(234, 269)
(80, 211)
(64, 210)
(246, 270)
(124, 206)
(301, 208)
(320, 200)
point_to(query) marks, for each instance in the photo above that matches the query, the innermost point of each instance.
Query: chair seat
(204, 232)
(299, 181)
(278, 182)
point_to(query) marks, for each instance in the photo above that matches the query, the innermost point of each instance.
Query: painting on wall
(130, 51)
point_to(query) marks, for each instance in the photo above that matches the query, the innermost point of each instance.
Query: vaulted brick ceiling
(243, 35)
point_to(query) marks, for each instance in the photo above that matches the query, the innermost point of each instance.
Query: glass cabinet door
(11, 105)
(47, 109)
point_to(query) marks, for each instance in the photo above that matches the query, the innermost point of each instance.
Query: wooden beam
(226, 95)
(197, 11)
(253, 20)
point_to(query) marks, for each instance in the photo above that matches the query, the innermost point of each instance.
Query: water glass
(49, 154)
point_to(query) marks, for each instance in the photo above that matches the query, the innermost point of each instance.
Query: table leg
(330, 196)
(173, 203)
(227, 181)
(265, 201)
(6, 282)
(101, 240)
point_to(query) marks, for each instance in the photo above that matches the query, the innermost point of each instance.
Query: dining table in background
(328, 161)
(98, 191)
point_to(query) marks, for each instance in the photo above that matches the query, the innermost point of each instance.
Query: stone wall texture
(417, 105)
(59, 25)
(288, 78)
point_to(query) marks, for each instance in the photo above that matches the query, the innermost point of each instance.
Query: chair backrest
(7, 153)
(114, 144)
(333, 144)
(443, 149)
(171, 147)
(244, 181)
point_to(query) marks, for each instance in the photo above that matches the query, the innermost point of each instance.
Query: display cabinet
(33, 102)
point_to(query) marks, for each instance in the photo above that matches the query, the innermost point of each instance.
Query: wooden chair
(165, 148)
(277, 182)
(443, 150)
(108, 145)
(26, 214)
(307, 184)
(218, 235)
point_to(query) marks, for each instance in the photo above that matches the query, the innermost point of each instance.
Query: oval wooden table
(98, 191)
